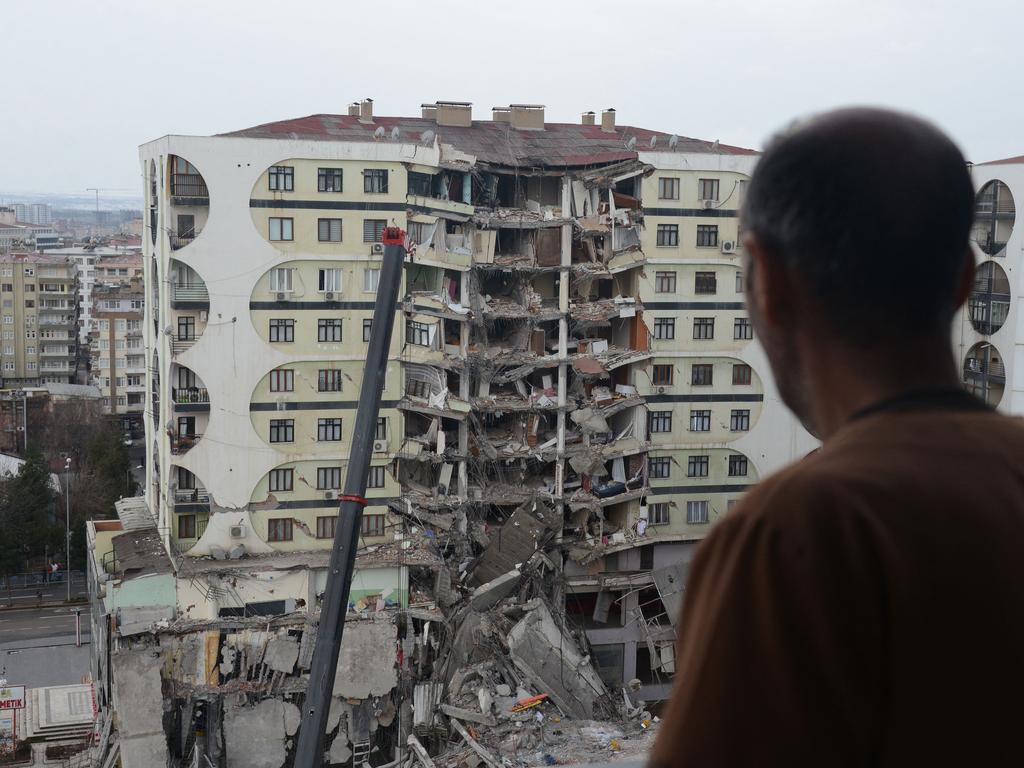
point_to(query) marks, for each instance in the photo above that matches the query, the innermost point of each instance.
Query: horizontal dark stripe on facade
(324, 504)
(190, 509)
(707, 213)
(649, 305)
(327, 205)
(321, 405)
(691, 490)
(313, 305)
(717, 398)
(191, 407)
(200, 305)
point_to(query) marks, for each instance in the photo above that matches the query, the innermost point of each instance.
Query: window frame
(329, 429)
(742, 374)
(667, 236)
(702, 374)
(698, 512)
(280, 529)
(669, 185)
(664, 328)
(659, 513)
(325, 522)
(698, 465)
(739, 420)
(378, 236)
(325, 178)
(700, 420)
(707, 236)
(283, 430)
(665, 281)
(330, 224)
(375, 177)
(329, 330)
(659, 467)
(329, 380)
(706, 186)
(702, 281)
(742, 330)
(328, 478)
(281, 480)
(277, 324)
(282, 380)
(658, 378)
(738, 461)
(659, 422)
(281, 229)
(330, 279)
(703, 328)
(281, 178)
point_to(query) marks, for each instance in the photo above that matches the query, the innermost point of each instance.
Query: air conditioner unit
(728, 246)
(282, 296)
(328, 296)
(377, 249)
(380, 446)
(661, 390)
(708, 203)
(329, 495)
(237, 531)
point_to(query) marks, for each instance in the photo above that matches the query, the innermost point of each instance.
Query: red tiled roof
(1018, 160)
(559, 144)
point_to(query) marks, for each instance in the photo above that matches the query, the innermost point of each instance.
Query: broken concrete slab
(362, 640)
(281, 654)
(486, 596)
(468, 714)
(292, 718)
(254, 736)
(339, 752)
(138, 701)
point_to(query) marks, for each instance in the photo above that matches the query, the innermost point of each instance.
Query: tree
(27, 514)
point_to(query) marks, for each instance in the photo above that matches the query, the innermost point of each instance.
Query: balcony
(183, 443)
(56, 352)
(189, 189)
(191, 500)
(190, 399)
(192, 294)
(181, 240)
(980, 368)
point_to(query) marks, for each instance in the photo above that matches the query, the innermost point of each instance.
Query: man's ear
(966, 282)
(769, 286)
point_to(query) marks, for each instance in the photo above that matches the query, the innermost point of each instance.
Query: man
(866, 605)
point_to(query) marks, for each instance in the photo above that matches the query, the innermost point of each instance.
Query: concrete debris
(254, 736)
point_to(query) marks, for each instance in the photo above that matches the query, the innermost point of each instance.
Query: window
(739, 420)
(121, 325)
(328, 329)
(282, 330)
(381, 432)
(697, 466)
(707, 235)
(8, 349)
(367, 325)
(8, 287)
(281, 228)
(664, 328)
(30, 271)
(31, 365)
(325, 527)
(328, 430)
(418, 333)
(186, 328)
(660, 421)
(186, 225)
(701, 374)
(328, 380)
(657, 514)
(329, 280)
(663, 375)
(700, 421)
(373, 230)
(282, 479)
(742, 329)
(281, 280)
(328, 230)
(281, 178)
(282, 430)
(668, 188)
(376, 478)
(328, 180)
(739, 281)
(668, 235)
(417, 229)
(371, 278)
(373, 525)
(705, 283)
(659, 467)
(664, 282)
(375, 180)
(279, 529)
(707, 189)
(186, 526)
(703, 327)
(741, 373)
(8, 319)
(696, 512)
(737, 466)
(328, 478)
(282, 380)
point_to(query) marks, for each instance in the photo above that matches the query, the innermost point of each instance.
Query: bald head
(872, 209)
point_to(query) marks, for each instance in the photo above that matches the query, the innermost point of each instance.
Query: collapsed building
(527, 538)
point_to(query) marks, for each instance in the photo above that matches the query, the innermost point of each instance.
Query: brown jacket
(863, 607)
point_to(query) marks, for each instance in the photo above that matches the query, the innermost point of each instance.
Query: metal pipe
(309, 752)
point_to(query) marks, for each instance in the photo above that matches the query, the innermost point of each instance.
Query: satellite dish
(631, 144)
(654, 141)
(379, 133)
(395, 133)
(427, 137)
(672, 141)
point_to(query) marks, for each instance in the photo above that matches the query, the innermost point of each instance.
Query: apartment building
(38, 317)
(116, 350)
(33, 213)
(572, 370)
(99, 265)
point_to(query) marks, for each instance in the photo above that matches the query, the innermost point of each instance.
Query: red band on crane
(357, 499)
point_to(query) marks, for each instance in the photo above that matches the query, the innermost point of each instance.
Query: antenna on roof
(631, 144)
(672, 141)
(379, 133)
(395, 133)
(654, 141)
(427, 137)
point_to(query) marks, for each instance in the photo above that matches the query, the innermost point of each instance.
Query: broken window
(705, 283)
(608, 660)
(660, 421)
(668, 188)
(741, 329)
(325, 526)
(737, 466)
(282, 430)
(328, 478)
(702, 374)
(697, 512)
(664, 328)
(697, 466)
(707, 189)
(328, 430)
(664, 282)
(282, 380)
(329, 179)
(703, 328)
(279, 529)
(658, 514)
(663, 375)
(281, 479)
(281, 178)
(707, 235)
(418, 333)
(668, 235)
(741, 373)
(420, 184)
(659, 467)
(700, 421)
(375, 180)
(739, 420)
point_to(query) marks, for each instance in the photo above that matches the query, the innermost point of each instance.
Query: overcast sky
(87, 82)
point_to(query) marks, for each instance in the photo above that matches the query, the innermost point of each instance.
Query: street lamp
(67, 522)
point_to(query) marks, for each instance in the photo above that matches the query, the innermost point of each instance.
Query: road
(53, 592)
(37, 646)
(40, 623)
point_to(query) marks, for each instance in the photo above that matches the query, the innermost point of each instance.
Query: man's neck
(848, 381)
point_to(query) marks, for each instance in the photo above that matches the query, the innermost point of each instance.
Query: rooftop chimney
(353, 109)
(608, 120)
(366, 111)
(588, 118)
(527, 117)
(458, 114)
(429, 111)
(501, 114)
